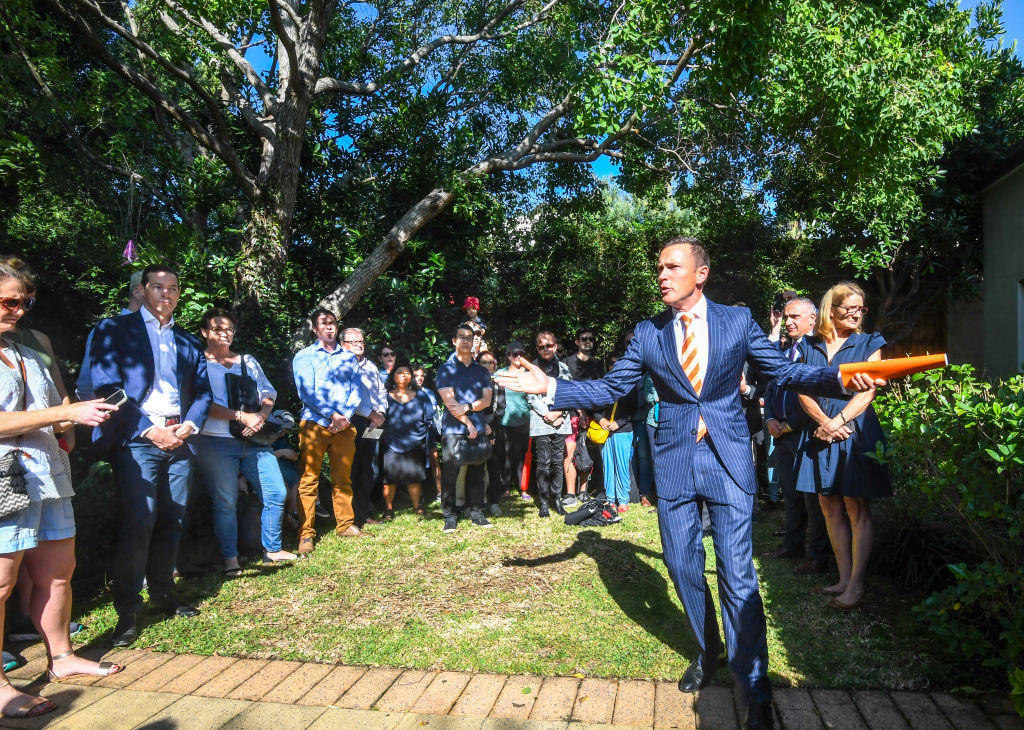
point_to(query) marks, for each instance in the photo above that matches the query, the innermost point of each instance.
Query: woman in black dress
(405, 435)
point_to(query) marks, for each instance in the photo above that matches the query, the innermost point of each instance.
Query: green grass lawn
(529, 596)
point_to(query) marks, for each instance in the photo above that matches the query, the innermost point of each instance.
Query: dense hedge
(954, 527)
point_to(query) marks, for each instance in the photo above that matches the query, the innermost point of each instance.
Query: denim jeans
(152, 488)
(220, 459)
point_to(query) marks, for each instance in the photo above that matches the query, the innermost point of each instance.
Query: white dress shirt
(163, 400)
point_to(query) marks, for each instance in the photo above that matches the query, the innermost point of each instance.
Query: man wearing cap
(327, 381)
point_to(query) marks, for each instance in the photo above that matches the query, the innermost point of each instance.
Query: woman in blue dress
(834, 459)
(409, 417)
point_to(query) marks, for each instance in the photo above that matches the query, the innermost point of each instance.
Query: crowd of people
(168, 409)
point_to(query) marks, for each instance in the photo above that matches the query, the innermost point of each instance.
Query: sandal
(232, 572)
(39, 706)
(103, 669)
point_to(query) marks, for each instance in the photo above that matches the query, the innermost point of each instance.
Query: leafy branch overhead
(310, 109)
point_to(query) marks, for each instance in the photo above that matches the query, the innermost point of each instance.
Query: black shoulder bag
(243, 395)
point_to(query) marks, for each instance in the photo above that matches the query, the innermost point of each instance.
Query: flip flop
(34, 708)
(232, 572)
(104, 669)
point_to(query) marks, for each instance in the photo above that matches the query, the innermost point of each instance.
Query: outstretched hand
(531, 379)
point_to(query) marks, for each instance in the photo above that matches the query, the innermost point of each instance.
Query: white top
(700, 328)
(216, 372)
(163, 399)
(49, 470)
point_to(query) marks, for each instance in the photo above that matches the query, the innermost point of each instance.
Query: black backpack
(596, 512)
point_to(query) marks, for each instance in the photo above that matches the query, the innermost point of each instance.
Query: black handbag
(243, 395)
(13, 494)
(467, 451)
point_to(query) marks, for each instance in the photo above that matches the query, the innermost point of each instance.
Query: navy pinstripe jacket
(733, 338)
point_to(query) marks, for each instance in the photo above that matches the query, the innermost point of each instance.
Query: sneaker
(569, 501)
(10, 661)
(451, 522)
(543, 512)
(305, 546)
(583, 497)
(494, 509)
(322, 512)
(478, 519)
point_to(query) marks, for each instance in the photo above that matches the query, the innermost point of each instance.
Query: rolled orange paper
(894, 368)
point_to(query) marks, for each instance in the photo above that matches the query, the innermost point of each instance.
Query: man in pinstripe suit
(702, 453)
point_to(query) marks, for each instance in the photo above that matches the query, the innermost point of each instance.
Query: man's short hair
(157, 269)
(549, 333)
(464, 327)
(317, 313)
(351, 329)
(700, 254)
(807, 303)
(135, 280)
(584, 330)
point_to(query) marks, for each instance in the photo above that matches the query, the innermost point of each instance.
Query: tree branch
(286, 40)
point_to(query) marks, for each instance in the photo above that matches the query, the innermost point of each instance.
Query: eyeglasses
(853, 309)
(12, 304)
(546, 347)
(352, 342)
(387, 354)
(586, 339)
(223, 330)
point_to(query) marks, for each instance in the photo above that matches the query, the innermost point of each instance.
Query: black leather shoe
(700, 673)
(758, 717)
(125, 633)
(171, 607)
(557, 507)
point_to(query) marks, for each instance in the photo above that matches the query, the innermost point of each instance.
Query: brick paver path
(158, 690)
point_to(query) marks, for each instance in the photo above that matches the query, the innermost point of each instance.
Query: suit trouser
(152, 487)
(548, 465)
(450, 475)
(314, 442)
(731, 529)
(804, 518)
(365, 471)
(496, 466)
(517, 441)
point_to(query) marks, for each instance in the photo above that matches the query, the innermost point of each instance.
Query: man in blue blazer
(162, 369)
(701, 453)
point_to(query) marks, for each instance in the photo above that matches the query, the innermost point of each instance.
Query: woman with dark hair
(408, 420)
(220, 456)
(834, 457)
(40, 534)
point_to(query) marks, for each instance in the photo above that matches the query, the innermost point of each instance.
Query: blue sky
(1013, 21)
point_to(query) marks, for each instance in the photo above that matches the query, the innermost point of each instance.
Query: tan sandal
(39, 706)
(104, 669)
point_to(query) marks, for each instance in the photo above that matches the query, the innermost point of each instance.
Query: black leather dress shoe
(556, 505)
(125, 633)
(171, 607)
(700, 673)
(758, 717)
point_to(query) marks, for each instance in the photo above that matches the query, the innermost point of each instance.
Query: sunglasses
(12, 304)
(387, 354)
(586, 339)
(546, 347)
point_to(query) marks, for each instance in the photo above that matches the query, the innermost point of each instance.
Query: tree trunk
(344, 297)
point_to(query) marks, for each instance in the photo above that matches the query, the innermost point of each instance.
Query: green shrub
(956, 454)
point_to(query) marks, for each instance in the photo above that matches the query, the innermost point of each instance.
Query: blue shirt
(469, 383)
(327, 382)
(406, 424)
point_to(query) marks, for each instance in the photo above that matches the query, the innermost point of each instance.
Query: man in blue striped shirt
(327, 380)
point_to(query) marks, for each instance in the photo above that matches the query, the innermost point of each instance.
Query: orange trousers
(314, 442)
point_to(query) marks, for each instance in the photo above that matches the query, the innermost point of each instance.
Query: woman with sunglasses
(834, 458)
(220, 456)
(41, 535)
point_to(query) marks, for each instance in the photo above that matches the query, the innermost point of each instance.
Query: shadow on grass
(641, 592)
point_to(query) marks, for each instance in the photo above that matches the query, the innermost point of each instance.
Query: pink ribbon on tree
(129, 252)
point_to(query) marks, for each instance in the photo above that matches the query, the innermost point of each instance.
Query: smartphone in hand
(116, 398)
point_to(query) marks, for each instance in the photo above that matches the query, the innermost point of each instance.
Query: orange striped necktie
(690, 358)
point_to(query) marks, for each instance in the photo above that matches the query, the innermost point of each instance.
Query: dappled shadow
(642, 593)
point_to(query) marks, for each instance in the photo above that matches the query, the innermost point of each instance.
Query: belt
(165, 421)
